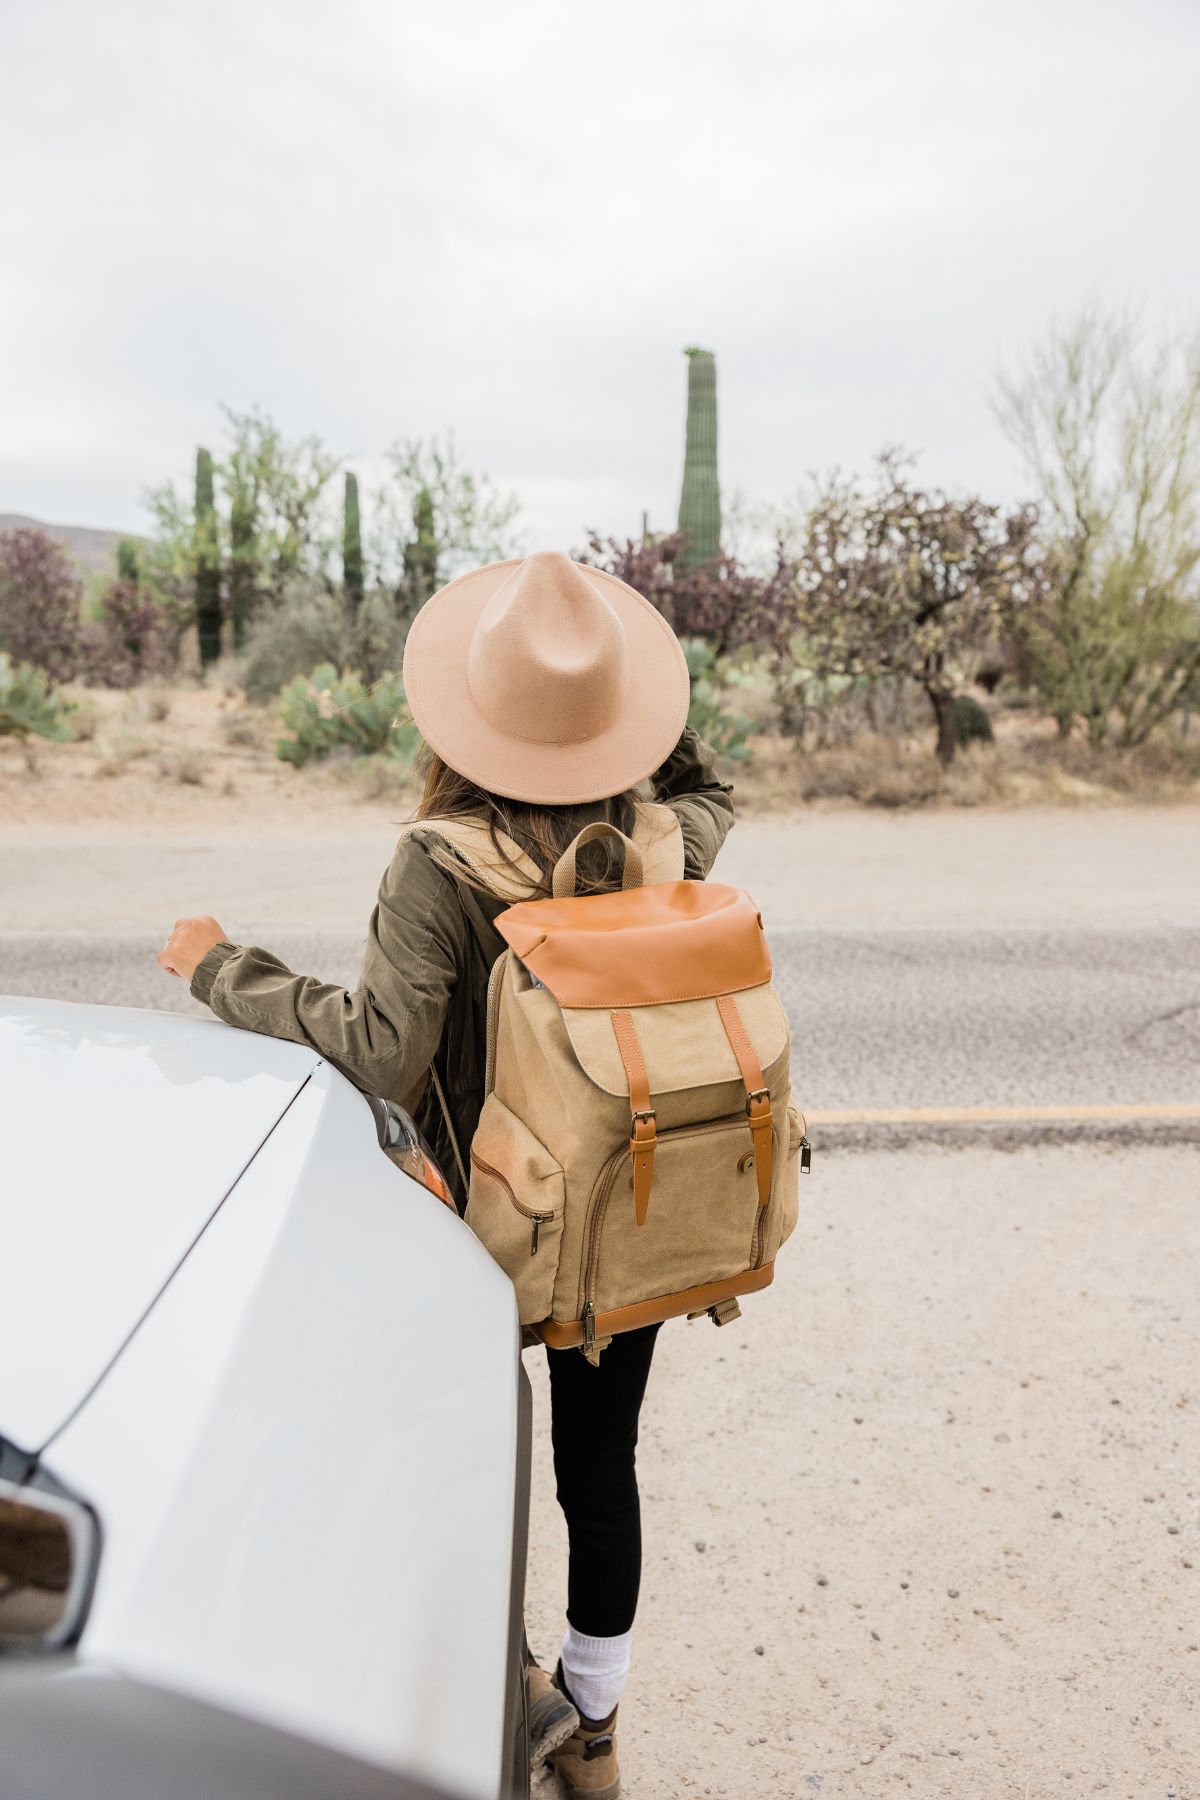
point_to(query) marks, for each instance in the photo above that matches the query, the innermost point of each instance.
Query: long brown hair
(542, 832)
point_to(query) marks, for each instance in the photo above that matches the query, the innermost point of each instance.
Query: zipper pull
(589, 1327)
(536, 1226)
(805, 1156)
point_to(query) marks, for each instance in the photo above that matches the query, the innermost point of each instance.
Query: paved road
(909, 1018)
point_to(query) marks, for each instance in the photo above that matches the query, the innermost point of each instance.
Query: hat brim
(638, 741)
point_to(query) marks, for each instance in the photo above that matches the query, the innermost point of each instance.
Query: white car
(261, 1403)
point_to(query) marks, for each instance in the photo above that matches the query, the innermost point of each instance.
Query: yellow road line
(1002, 1115)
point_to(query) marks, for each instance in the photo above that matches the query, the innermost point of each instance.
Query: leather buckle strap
(758, 1097)
(643, 1124)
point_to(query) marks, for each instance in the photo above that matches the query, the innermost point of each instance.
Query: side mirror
(48, 1547)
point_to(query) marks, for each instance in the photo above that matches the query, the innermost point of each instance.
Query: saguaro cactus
(243, 561)
(207, 557)
(352, 551)
(700, 499)
(421, 554)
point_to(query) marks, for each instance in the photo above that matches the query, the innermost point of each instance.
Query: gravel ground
(927, 1518)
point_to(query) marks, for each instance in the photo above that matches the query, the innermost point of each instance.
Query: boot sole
(611, 1792)
(554, 1736)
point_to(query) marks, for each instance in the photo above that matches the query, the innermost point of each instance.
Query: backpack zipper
(536, 1219)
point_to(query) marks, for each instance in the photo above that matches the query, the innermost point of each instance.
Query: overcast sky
(381, 219)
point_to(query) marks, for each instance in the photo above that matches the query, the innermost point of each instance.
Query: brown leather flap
(678, 940)
(684, 1044)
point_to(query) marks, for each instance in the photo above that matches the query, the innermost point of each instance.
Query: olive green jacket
(421, 998)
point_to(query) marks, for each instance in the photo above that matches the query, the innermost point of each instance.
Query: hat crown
(548, 660)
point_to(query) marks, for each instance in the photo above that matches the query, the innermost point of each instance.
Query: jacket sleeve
(383, 1033)
(687, 783)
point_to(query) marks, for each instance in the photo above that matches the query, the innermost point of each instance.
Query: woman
(546, 693)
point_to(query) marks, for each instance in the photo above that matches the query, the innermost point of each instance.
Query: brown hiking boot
(587, 1761)
(552, 1718)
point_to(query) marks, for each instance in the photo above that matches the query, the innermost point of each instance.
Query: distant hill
(94, 550)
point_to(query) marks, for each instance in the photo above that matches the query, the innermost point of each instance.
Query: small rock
(760, 1650)
(904, 1584)
(866, 1757)
(876, 1636)
(822, 1581)
(858, 1421)
(700, 1544)
(953, 1593)
(1056, 1514)
(1172, 1531)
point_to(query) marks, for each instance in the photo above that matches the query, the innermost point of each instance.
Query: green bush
(29, 706)
(326, 712)
(308, 626)
(727, 732)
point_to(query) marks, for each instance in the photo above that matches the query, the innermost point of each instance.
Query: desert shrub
(327, 711)
(900, 583)
(242, 730)
(120, 751)
(186, 765)
(727, 732)
(157, 702)
(129, 641)
(380, 777)
(41, 597)
(727, 603)
(86, 719)
(29, 706)
(971, 722)
(310, 626)
(1111, 637)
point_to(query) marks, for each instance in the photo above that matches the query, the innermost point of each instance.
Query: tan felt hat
(545, 680)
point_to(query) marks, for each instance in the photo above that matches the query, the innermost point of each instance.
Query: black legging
(594, 1430)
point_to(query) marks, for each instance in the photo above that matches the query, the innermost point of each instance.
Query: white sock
(595, 1669)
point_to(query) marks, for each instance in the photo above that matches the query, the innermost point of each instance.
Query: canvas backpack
(638, 1151)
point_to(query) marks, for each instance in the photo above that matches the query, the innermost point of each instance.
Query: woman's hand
(188, 944)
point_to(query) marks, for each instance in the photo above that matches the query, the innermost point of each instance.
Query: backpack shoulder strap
(657, 835)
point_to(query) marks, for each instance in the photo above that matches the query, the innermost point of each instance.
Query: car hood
(123, 1131)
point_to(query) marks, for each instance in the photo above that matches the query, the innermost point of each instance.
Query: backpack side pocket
(785, 1199)
(515, 1207)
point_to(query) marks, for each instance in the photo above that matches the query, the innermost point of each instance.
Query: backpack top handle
(563, 885)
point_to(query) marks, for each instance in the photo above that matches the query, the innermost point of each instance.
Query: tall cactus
(700, 499)
(421, 553)
(207, 557)
(352, 551)
(243, 557)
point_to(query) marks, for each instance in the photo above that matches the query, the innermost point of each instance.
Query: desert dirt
(926, 1519)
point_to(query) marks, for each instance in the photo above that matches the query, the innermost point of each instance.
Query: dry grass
(187, 765)
(172, 753)
(377, 778)
(1027, 769)
(119, 751)
(245, 729)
